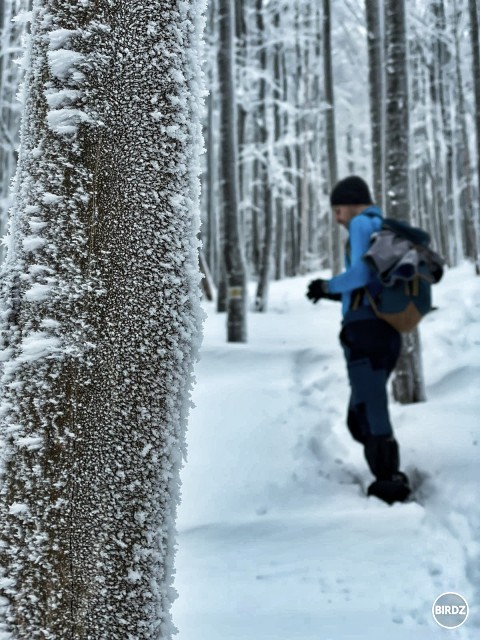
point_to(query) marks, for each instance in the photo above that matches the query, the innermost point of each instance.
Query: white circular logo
(450, 610)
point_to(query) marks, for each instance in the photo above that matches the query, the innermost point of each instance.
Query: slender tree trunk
(299, 134)
(474, 36)
(242, 58)
(279, 207)
(439, 178)
(330, 129)
(397, 114)
(233, 248)
(222, 289)
(408, 383)
(261, 298)
(11, 75)
(100, 320)
(375, 79)
(464, 164)
(350, 151)
(211, 196)
(207, 280)
(304, 147)
(444, 78)
(316, 184)
(431, 162)
(212, 220)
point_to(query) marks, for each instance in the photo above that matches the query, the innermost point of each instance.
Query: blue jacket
(357, 273)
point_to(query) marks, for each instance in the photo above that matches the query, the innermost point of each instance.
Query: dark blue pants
(371, 347)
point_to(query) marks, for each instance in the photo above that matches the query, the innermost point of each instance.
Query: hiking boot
(396, 489)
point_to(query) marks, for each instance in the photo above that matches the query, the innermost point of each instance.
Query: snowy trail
(276, 537)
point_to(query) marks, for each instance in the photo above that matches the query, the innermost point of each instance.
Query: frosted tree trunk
(211, 196)
(408, 385)
(264, 138)
(438, 137)
(375, 80)
(397, 113)
(242, 111)
(474, 36)
(306, 132)
(330, 129)
(443, 80)
(233, 247)
(212, 234)
(279, 207)
(464, 164)
(11, 75)
(290, 229)
(100, 320)
(299, 133)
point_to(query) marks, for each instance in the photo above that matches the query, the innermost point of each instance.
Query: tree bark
(474, 37)
(11, 76)
(397, 113)
(261, 298)
(279, 207)
(464, 164)
(375, 80)
(100, 320)
(408, 383)
(330, 130)
(233, 247)
(211, 196)
(443, 80)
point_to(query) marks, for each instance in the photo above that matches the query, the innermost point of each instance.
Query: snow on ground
(277, 540)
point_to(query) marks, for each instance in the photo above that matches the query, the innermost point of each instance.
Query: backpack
(405, 268)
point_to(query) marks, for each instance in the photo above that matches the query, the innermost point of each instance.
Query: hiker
(371, 345)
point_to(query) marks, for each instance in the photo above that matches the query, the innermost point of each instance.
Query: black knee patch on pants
(382, 456)
(357, 423)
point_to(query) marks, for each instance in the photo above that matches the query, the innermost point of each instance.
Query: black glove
(318, 289)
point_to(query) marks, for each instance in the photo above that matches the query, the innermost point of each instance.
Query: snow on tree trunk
(375, 78)
(10, 107)
(210, 195)
(444, 136)
(279, 207)
(474, 36)
(330, 130)
(465, 174)
(100, 320)
(397, 114)
(408, 383)
(233, 249)
(264, 139)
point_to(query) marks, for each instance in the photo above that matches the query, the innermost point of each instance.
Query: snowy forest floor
(277, 540)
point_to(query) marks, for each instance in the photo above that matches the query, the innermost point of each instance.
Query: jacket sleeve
(358, 273)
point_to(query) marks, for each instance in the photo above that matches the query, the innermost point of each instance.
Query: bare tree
(330, 129)
(464, 164)
(474, 36)
(264, 134)
(408, 384)
(375, 79)
(11, 75)
(100, 320)
(233, 247)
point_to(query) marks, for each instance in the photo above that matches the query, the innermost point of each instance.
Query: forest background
(321, 92)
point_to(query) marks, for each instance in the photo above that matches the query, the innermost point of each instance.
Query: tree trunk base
(407, 385)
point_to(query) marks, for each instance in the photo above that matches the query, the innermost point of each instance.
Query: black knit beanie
(351, 190)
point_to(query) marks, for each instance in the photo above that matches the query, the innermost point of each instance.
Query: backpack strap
(356, 298)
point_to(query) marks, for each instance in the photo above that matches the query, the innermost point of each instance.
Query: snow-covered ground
(277, 540)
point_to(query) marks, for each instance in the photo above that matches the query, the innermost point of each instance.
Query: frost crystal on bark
(100, 319)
